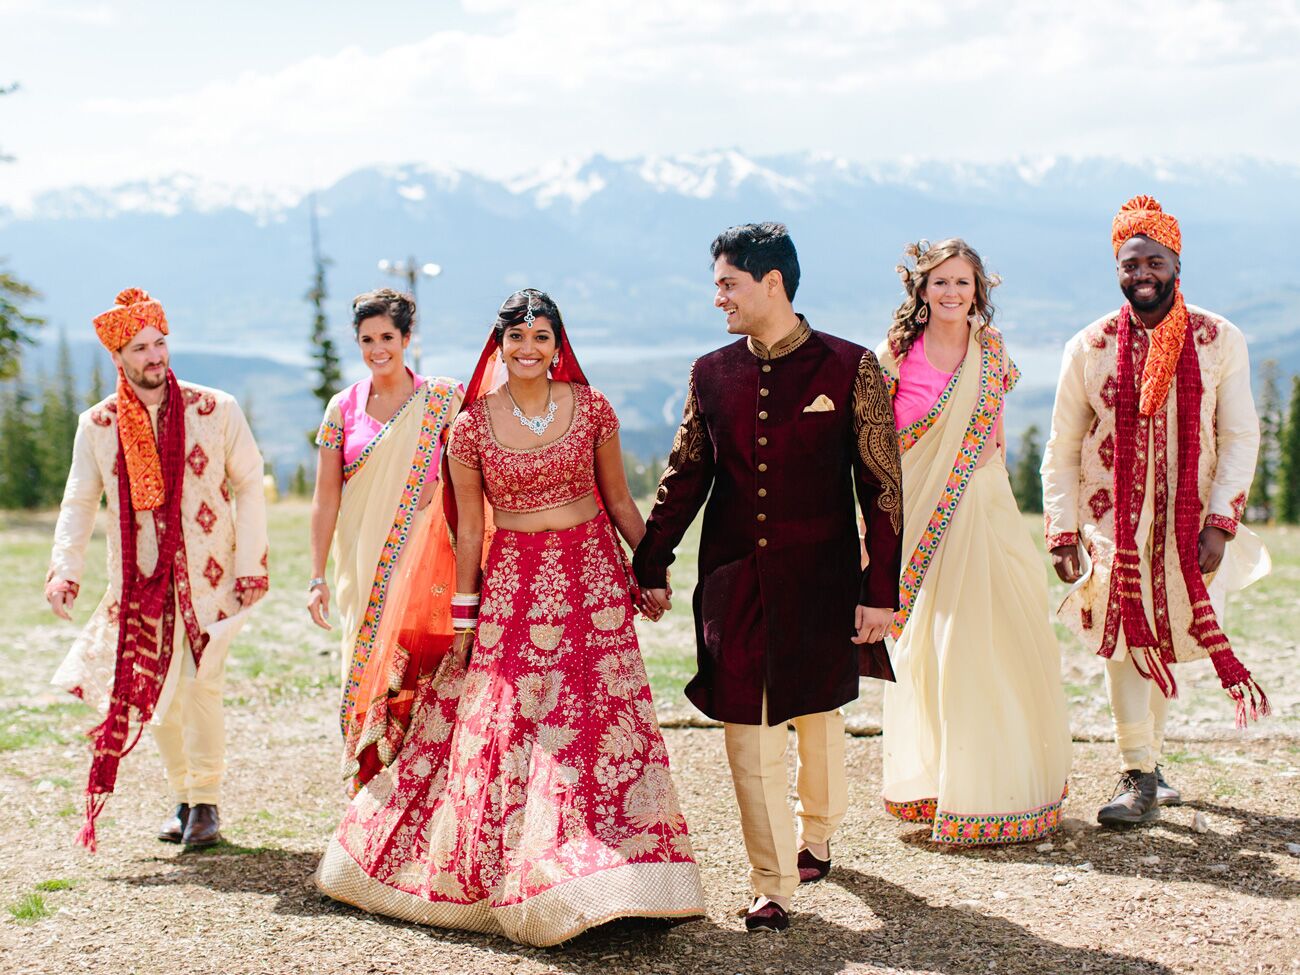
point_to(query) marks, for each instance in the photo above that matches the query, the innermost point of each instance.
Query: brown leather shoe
(811, 869)
(203, 827)
(174, 829)
(1133, 802)
(1166, 794)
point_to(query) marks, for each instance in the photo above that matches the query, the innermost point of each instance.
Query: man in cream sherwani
(177, 463)
(1145, 477)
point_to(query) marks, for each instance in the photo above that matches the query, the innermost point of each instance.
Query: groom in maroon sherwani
(778, 430)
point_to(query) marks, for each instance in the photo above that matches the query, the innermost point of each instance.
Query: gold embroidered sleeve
(877, 442)
(688, 444)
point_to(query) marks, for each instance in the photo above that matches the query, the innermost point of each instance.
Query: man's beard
(1162, 295)
(142, 379)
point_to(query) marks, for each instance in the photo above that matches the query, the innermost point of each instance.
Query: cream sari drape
(977, 743)
(376, 515)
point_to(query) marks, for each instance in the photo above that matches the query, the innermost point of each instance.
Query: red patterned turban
(133, 312)
(1142, 216)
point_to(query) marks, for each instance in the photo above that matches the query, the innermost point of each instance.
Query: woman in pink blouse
(532, 797)
(378, 469)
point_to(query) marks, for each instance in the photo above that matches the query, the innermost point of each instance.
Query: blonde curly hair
(919, 259)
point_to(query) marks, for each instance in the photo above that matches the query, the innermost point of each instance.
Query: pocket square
(822, 404)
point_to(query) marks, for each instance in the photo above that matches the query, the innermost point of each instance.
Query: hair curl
(919, 259)
(514, 308)
(384, 301)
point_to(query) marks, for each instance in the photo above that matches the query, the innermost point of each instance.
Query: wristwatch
(313, 583)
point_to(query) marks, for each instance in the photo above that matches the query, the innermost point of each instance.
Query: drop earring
(923, 315)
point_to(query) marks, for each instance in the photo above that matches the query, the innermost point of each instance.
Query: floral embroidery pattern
(688, 442)
(350, 470)
(521, 774)
(913, 811)
(1099, 503)
(1017, 827)
(873, 421)
(983, 417)
(437, 409)
(330, 434)
(198, 460)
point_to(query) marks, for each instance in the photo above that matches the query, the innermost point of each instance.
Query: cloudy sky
(296, 93)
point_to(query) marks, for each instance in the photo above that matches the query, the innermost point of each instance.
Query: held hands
(461, 644)
(656, 602)
(872, 623)
(1210, 548)
(1065, 560)
(60, 594)
(318, 605)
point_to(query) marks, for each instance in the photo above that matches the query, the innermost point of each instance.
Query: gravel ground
(1163, 899)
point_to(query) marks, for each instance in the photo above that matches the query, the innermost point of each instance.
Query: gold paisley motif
(609, 618)
(873, 420)
(545, 637)
(489, 634)
(688, 443)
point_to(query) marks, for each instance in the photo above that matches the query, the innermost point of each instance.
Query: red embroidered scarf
(148, 618)
(1125, 596)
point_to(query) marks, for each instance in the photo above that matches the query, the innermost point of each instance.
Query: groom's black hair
(759, 248)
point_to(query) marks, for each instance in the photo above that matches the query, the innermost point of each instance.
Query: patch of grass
(1224, 787)
(53, 724)
(29, 908)
(225, 848)
(69, 810)
(56, 884)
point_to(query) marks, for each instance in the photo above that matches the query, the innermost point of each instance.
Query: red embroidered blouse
(536, 478)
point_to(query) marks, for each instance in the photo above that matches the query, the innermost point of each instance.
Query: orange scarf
(1162, 358)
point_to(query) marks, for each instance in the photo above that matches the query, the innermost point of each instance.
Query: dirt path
(1165, 899)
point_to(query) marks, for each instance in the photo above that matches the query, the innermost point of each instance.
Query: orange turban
(133, 312)
(1142, 217)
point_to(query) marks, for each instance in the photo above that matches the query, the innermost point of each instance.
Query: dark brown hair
(514, 308)
(384, 301)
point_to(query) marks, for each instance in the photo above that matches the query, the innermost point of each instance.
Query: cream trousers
(191, 736)
(756, 754)
(1139, 710)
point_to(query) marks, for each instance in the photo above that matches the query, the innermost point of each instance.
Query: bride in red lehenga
(530, 794)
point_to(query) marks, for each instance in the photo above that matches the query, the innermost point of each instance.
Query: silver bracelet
(313, 583)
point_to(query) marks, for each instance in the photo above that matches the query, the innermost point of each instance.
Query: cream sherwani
(223, 513)
(1078, 503)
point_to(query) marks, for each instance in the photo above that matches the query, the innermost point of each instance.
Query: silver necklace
(537, 424)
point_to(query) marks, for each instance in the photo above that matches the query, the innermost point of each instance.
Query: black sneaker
(1133, 802)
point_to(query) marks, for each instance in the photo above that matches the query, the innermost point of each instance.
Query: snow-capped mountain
(623, 246)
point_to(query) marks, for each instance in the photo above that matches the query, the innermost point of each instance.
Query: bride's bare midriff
(551, 520)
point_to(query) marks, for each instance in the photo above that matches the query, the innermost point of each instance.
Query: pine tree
(16, 325)
(1026, 483)
(96, 392)
(1269, 409)
(323, 352)
(57, 426)
(299, 486)
(20, 472)
(1288, 495)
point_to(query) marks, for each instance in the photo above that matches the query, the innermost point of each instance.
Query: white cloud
(551, 78)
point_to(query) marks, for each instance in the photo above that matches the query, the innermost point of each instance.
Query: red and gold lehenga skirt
(532, 796)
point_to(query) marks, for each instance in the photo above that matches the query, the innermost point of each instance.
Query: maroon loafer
(770, 917)
(811, 869)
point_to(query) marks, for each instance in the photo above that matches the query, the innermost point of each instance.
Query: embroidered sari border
(983, 419)
(959, 829)
(436, 413)
(914, 431)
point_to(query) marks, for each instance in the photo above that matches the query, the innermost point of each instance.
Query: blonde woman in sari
(377, 473)
(977, 741)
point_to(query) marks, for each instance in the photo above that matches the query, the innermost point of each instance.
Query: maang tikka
(529, 317)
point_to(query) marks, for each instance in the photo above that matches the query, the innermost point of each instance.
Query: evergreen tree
(20, 472)
(96, 392)
(1288, 495)
(299, 486)
(1026, 483)
(56, 425)
(1260, 504)
(16, 325)
(323, 352)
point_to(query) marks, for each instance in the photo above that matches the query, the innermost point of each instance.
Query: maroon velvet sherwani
(776, 440)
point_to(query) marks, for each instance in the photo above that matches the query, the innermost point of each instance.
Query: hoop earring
(923, 315)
